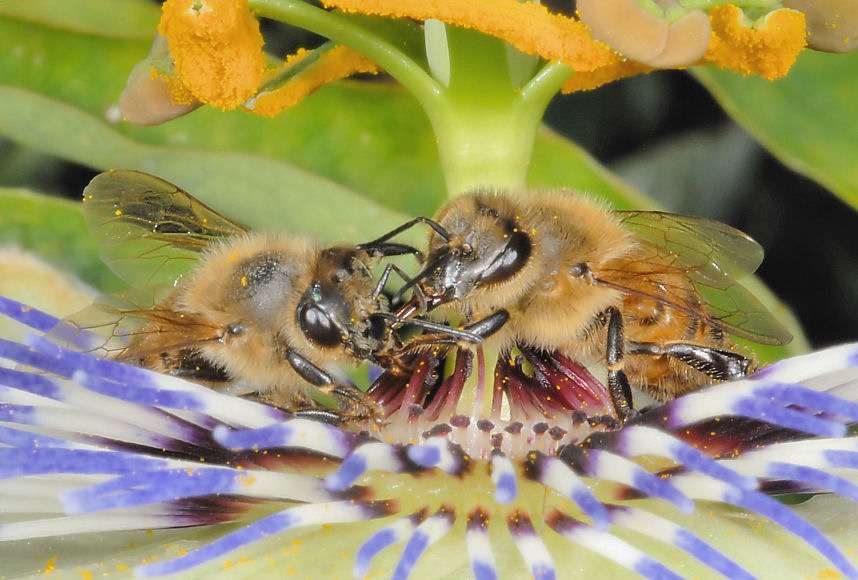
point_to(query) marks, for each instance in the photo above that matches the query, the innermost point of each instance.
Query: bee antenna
(439, 229)
(378, 242)
(385, 249)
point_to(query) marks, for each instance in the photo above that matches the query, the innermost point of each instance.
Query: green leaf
(60, 61)
(258, 192)
(808, 119)
(113, 18)
(55, 230)
(558, 162)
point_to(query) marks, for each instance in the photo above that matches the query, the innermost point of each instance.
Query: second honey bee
(651, 296)
(244, 313)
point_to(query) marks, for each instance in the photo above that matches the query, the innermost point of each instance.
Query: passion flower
(528, 477)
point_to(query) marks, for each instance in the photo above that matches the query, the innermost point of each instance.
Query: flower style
(483, 72)
(92, 446)
(218, 56)
(221, 60)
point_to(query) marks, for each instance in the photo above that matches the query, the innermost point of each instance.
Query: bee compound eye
(318, 327)
(578, 270)
(508, 261)
(236, 329)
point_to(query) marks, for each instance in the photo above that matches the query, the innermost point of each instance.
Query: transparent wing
(116, 326)
(106, 327)
(149, 231)
(713, 256)
(703, 246)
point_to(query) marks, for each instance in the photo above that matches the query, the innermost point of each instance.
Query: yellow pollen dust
(528, 26)
(217, 52)
(768, 48)
(338, 63)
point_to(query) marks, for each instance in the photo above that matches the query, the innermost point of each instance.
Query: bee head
(335, 311)
(482, 255)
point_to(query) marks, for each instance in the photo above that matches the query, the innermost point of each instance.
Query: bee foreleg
(618, 384)
(490, 324)
(382, 281)
(418, 294)
(329, 416)
(435, 327)
(354, 402)
(308, 371)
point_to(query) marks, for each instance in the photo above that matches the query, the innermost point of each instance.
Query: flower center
(533, 400)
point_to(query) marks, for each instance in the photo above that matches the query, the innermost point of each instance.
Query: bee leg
(720, 365)
(442, 335)
(356, 404)
(303, 406)
(382, 280)
(618, 383)
(413, 282)
(489, 325)
(442, 338)
(418, 296)
(329, 416)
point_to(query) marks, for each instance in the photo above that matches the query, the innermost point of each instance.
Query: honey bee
(245, 313)
(651, 296)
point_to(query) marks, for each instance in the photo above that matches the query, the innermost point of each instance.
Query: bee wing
(713, 256)
(694, 243)
(107, 326)
(149, 231)
(114, 325)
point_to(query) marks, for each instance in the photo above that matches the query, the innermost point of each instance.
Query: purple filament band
(27, 315)
(42, 461)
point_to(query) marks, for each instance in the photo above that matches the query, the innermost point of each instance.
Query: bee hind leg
(718, 364)
(355, 405)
